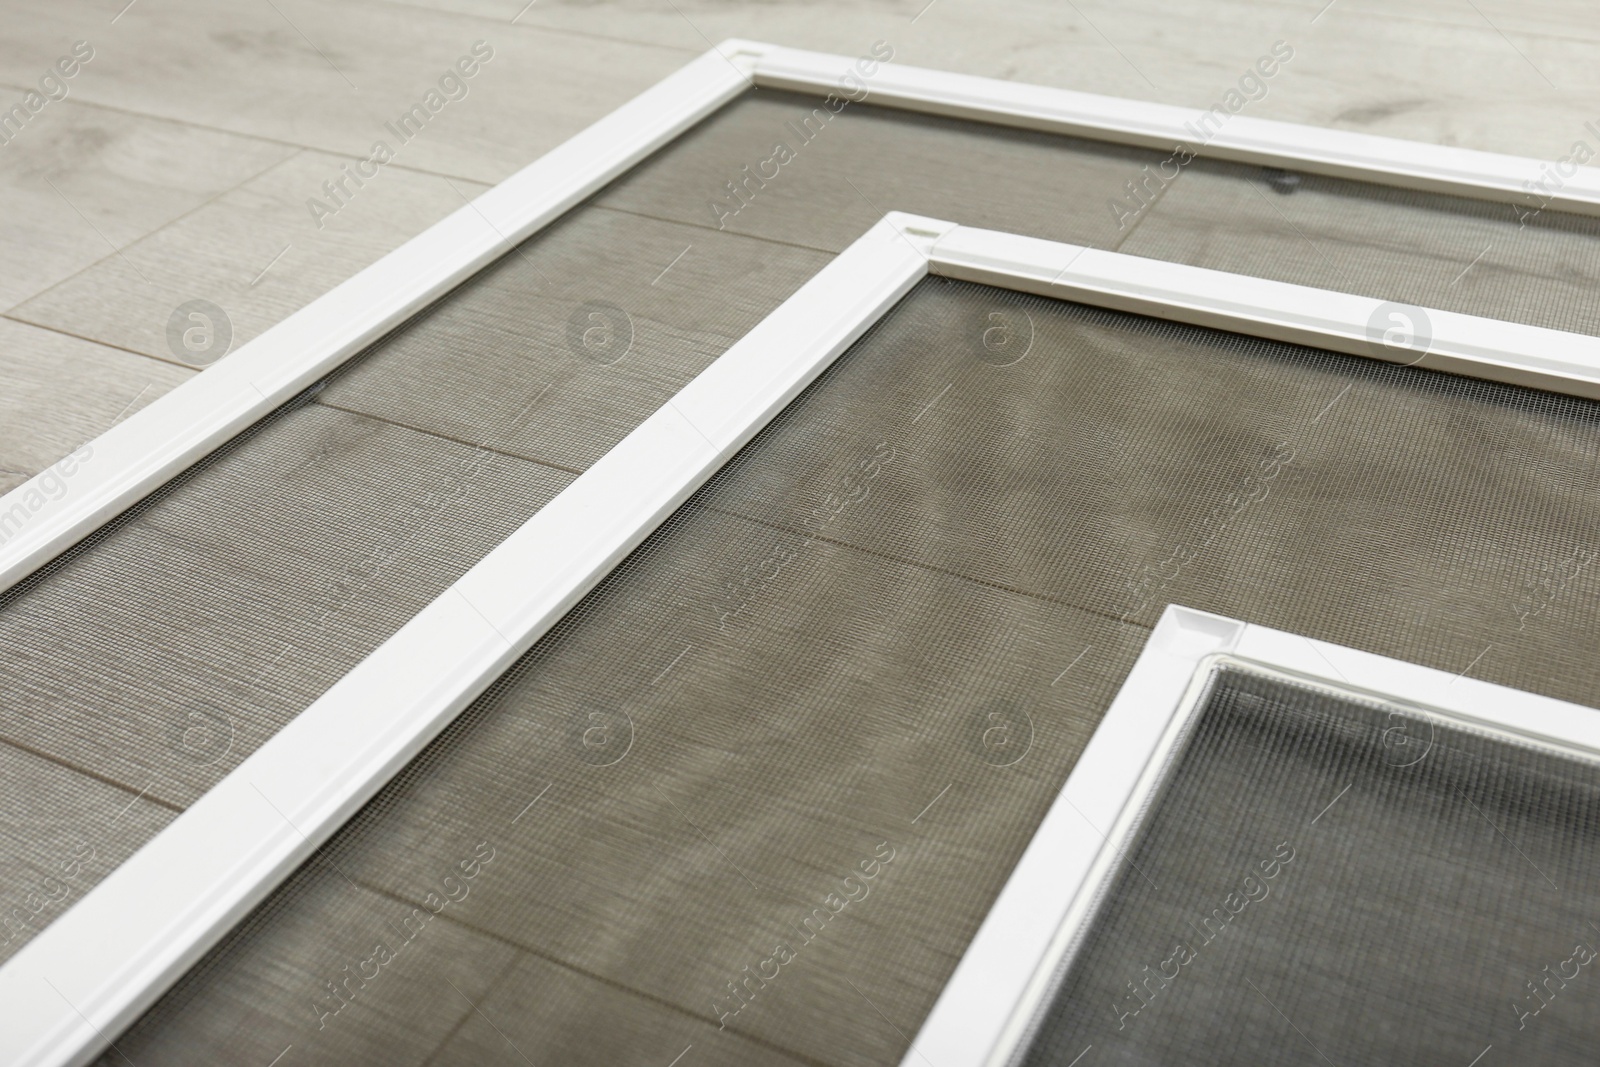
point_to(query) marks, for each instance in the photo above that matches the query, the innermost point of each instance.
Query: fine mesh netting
(1322, 878)
(1500, 260)
(1476, 257)
(756, 792)
(144, 665)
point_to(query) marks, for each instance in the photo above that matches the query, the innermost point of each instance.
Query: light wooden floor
(179, 165)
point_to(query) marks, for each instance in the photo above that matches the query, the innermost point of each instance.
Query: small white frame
(983, 1016)
(132, 459)
(106, 959)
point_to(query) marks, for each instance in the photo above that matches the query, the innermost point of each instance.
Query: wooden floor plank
(258, 253)
(558, 352)
(332, 76)
(843, 171)
(1430, 251)
(213, 613)
(80, 182)
(59, 392)
(1430, 70)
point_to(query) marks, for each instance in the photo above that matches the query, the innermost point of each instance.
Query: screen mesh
(145, 664)
(1507, 261)
(1503, 261)
(756, 792)
(1322, 878)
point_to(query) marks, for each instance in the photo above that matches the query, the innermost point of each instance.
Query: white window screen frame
(105, 960)
(983, 1016)
(134, 458)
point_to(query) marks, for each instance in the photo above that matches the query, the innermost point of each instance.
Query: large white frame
(983, 1016)
(137, 456)
(1240, 138)
(92, 971)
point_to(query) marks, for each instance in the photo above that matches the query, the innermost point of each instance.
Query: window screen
(1323, 878)
(756, 792)
(144, 665)
(149, 661)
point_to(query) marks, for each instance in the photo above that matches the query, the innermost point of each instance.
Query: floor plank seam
(682, 50)
(9, 317)
(929, 568)
(574, 471)
(94, 775)
(712, 229)
(518, 946)
(175, 220)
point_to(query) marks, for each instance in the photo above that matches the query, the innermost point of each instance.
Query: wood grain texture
(1500, 90)
(1567, 20)
(79, 183)
(329, 76)
(58, 392)
(1428, 70)
(257, 252)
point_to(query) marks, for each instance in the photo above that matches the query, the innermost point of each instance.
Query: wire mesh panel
(146, 663)
(142, 666)
(750, 800)
(842, 170)
(1508, 261)
(1327, 879)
